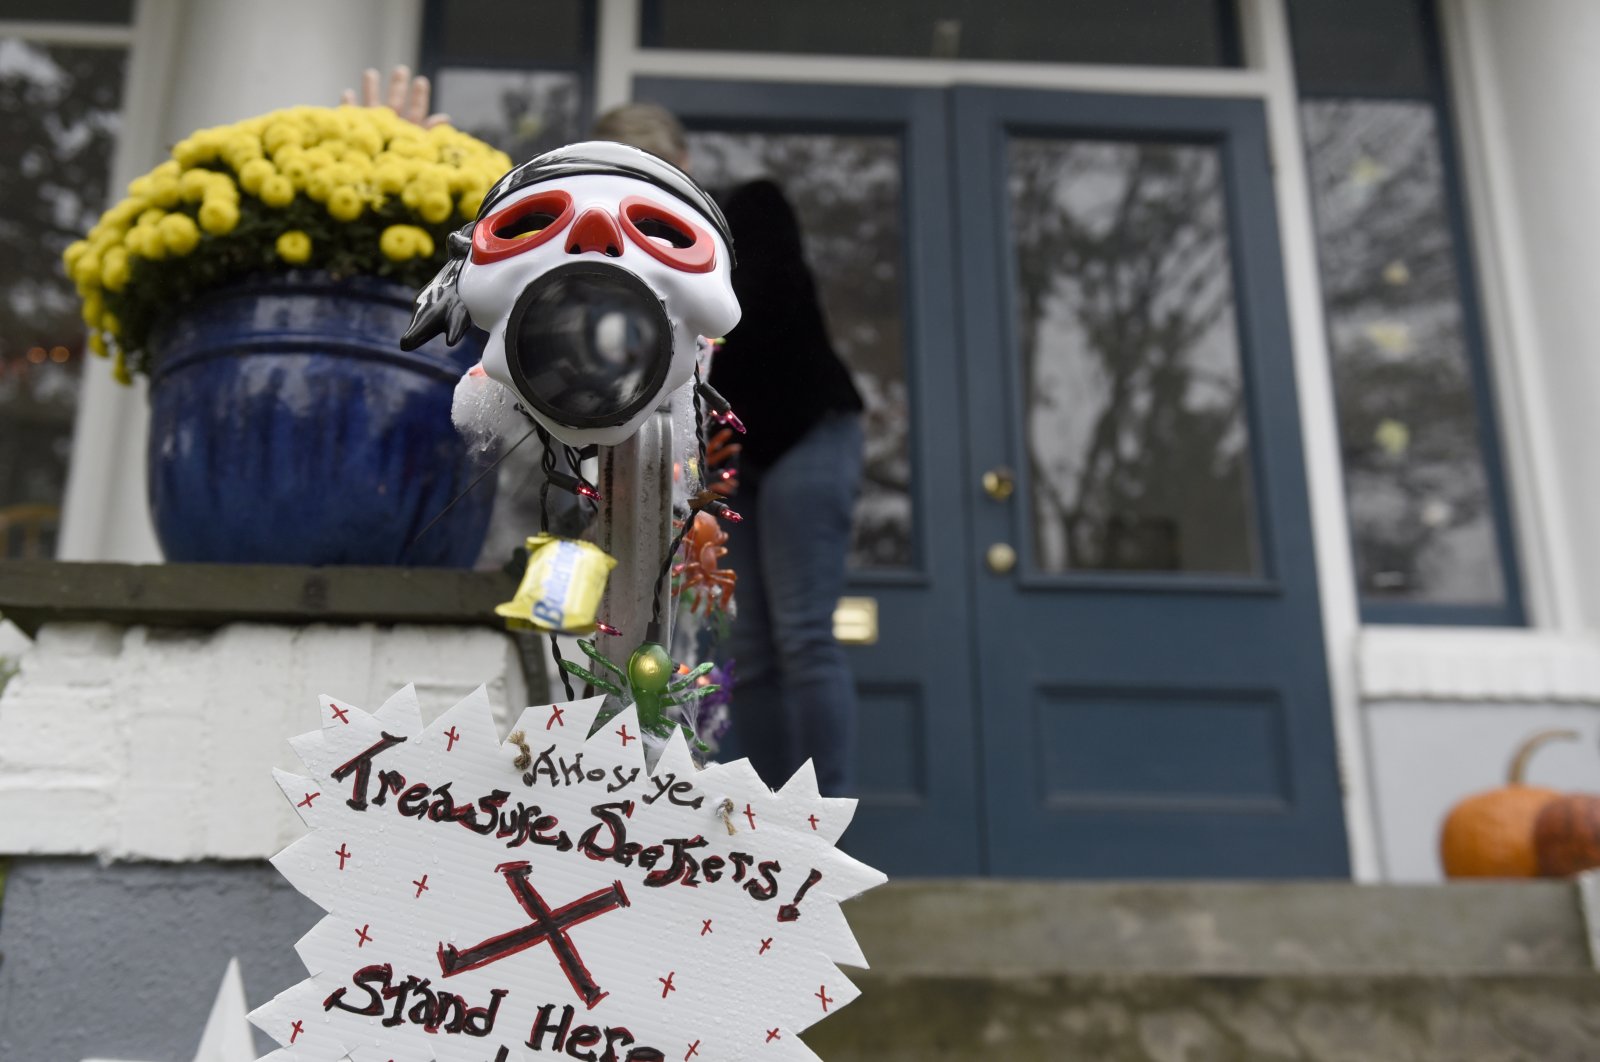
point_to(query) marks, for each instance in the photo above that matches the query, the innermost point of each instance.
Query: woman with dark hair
(799, 473)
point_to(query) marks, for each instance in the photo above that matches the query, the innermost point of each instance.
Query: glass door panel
(1137, 443)
(846, 190)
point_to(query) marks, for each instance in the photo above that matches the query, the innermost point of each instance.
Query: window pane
(59, 116)
(518, 111)
(111, 11)
(1360, 47)
(1415, 474)
(513, 33)
(1138, 449)
(1152, 32)
(846, 190)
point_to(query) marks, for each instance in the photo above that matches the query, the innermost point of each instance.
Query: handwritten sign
(587, 907)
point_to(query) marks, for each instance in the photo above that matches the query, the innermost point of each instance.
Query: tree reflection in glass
(1137, 442)
(846, 190)
(1414, 467)
(59, 117)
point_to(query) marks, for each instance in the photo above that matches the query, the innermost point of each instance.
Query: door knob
(999, 483)
(1001, 558)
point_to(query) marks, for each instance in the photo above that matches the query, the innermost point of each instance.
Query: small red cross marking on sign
(422, 887)
(555, 717)
(452, 738)
(343, 853)
(362, 936)
(705, 926)
(750, 815)
(822, 994)
(813, 820)
(666, 983)
(772, 1034)
(340, 714)
(694, 1049)
(306, 803)
(626, 737)
(294, 1033)
(765, 944)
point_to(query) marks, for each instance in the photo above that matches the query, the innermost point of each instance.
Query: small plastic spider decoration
(651, 679)
(703, 546)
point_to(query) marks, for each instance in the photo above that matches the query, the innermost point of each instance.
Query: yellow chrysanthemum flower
(93, 307)
(281, 134)
(179, 233)
(218, 216)
(114, 269)
(164, 192)
(252, 173)
(345, 203)
(401, 243)
(298, 169)
(193, 151)
(435, 207)
(193, 184)
(86, 270)
(74, 251)
(294, 247)
(277, 191)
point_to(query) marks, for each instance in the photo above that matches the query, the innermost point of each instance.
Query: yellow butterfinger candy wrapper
(561, 589)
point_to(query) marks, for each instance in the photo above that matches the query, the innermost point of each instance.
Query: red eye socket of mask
(521, 226)
(667, 237)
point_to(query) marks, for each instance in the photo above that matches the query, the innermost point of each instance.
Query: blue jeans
(794, 697)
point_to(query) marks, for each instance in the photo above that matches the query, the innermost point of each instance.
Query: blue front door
(1085, 523)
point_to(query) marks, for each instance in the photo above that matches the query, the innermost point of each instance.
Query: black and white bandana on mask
(595, 269)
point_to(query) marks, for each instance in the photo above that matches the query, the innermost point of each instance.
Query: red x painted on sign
(813, 820)
(765, 944)
(666, 983)
(452, 737)
(362, 936)
(294, 1033)
(772, 1034)
(750, 815)
(626, 737)
(548, 927)
(343, 853)
(306, 803)
(422, 887)
(694, 1049)
(705, 926)
(822, 994)
(555, 717)
(340, 714)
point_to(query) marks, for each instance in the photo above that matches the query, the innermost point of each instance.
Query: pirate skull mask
(595, 269)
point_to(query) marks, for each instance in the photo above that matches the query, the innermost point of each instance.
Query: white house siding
(137, 743)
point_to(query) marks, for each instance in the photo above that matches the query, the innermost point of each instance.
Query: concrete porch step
(1219, 972)
(1216, 1018)
(991, 926)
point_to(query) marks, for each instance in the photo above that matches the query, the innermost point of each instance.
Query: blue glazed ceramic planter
(288, 427)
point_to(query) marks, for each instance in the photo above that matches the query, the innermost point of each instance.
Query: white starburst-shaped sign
(587, 907)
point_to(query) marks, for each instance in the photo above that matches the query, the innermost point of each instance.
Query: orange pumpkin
(1491, 834)
(1566, 835)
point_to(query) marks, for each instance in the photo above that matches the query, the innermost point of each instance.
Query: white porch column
(197, 63)
(1527, 83)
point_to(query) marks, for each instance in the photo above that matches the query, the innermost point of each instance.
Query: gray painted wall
(123, 960)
